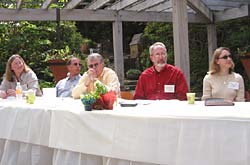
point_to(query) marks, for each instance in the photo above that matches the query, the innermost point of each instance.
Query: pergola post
(212, 40)
(118, 50)
(181, 44)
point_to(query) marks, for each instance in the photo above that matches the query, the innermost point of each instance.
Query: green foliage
(234, 34)
(63, 54)
(100, 89)
(133, 71)
(34, 40)
(90, 98)
(46, 84)
(53, 54)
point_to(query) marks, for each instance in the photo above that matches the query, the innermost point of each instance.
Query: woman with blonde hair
(18, 71)
(221, 81)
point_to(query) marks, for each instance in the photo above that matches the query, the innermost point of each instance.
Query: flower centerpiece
(101, 98)
(88, 100)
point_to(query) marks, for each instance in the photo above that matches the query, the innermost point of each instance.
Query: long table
(169, 132)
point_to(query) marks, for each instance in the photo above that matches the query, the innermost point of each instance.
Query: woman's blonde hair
(214, 67)
(9, 73)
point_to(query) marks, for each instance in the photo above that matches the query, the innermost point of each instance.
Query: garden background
(37, 42)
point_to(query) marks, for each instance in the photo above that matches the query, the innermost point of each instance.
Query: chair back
(128, 95)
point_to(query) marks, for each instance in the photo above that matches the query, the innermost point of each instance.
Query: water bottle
(19, 91)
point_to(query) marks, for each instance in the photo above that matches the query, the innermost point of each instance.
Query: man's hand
(92, 76)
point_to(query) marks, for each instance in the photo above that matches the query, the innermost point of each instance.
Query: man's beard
(161, 65)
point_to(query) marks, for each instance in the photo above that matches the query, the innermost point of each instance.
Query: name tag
(233, 85)
(169, 88)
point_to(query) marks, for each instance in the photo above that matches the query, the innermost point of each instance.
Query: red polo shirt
(151, 84)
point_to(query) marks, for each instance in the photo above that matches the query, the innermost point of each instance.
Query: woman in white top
(221, 81)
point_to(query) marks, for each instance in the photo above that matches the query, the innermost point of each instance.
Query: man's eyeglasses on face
(226, 57)
(93, 65)
(77, 64)
(161, 54)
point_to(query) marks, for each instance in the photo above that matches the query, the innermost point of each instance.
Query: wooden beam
(201, 8)
(181, 44)
(127, 16)
(233, 13)
(118, 50)
(46, 4)
(27, 15)
(87, 15)
(145, 5)
(161, 7)
(72, 4)
(212, 40)
(98, 4)
(91, 15)
(18, 4)
(223, 3)
(122, 4)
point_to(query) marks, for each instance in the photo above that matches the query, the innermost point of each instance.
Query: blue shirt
(65, 86)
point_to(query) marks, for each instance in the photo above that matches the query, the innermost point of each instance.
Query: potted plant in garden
(57, 59)
(86, 44)
(244, 55)
(133, 74)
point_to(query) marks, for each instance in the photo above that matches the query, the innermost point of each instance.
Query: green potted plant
(244, 54)
(133, 74)
(86, 44)
(57, 59)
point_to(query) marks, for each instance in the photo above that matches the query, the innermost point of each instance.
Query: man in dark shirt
(162, 80)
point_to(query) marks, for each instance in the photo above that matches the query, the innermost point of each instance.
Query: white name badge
(233, 85)
(169, 88)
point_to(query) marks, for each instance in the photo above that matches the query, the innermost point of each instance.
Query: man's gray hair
(154, 45)
(94, 56)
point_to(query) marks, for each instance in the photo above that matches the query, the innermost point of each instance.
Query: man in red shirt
(162, 80)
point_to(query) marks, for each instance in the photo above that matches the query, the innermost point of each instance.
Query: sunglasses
(93, 65)
(226, 57)
(77, 64)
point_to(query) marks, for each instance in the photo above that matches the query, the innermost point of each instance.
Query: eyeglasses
(93, 65)
(77, 64)
(226, 57)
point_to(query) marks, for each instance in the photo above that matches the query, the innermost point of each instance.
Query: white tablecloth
(159, 132)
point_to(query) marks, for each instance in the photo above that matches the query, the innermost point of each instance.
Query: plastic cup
(190, 98)
(30, 97)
